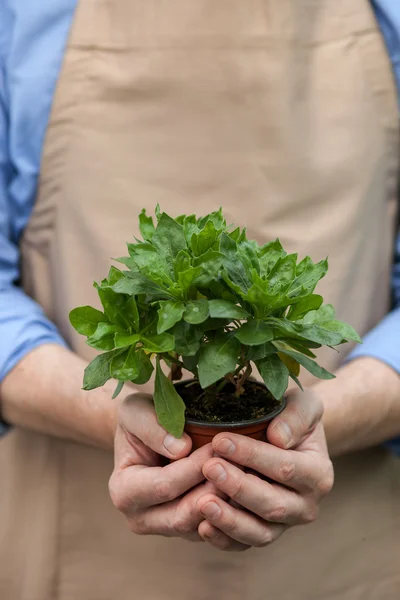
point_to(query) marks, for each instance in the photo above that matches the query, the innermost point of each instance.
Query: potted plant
(197, 295)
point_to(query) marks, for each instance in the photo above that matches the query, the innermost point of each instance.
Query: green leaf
(269, 255)
(122, 340)
(324, 314)
(299, 345)
(214, 324)
(323, 319)
(169, 314)
(146, 226)
(164, 342)
(247, 254)
(346, 331)
(210, 264)
(222, 309)
(151, 263)
(308, 274)
(97, 373)
(125, 365)
(145, 368)
(85, 319)
(132, 314)
(135, 283)
(283, 328)
(254, 332)
(169, 238)
(187, 278)
(170, 408)
(181, 263)
(258, 352)
(118, 389)
(309, 364)
(203, 241)
(113, 305)
(275, 374)
(190, 227)
(215, 217)
(217, 358)
(128, 261)
(235, 269)
(303, 306)
(190, 364)
(235, 234)
(187, 338)
(103, 337)
(180, 219)
(297, 381)
(282, 274)
(196, 312)
(114, 275)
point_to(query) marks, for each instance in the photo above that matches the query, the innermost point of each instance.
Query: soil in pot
(224, 406)
(212, 412)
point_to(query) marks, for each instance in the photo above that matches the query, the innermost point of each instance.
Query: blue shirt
(33, 36)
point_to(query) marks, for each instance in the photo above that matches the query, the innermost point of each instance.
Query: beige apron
(283, 112)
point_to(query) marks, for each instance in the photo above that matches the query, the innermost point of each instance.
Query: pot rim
(235, 424)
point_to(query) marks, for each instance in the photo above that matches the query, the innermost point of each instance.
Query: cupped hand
(271, 486)
(157, 496)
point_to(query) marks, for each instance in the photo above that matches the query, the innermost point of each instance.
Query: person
(285, 114)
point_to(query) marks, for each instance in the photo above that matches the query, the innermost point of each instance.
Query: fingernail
(211, 510)
(284, 431)
(174, 445)
(225, 446)
(217, 473)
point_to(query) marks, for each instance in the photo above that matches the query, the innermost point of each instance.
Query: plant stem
(242, 380)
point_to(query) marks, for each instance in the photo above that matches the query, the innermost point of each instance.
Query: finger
(300, 471)
(215, 537)
(239, 524)
(136, 487)
(302, 413)
(179, 518)
(270, 502)
(138, 418)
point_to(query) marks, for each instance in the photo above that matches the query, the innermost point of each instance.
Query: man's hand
(298, 471)
(174, 499)
(157, 499)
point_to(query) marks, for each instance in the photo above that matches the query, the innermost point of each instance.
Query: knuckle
(250, 456)
(183, 526)
(266, 538)
(277, 514)
(238, 489)
(230, 523)
(118, 497)
(137, 525)
(286, 471)
(163, 490)
(325, 483)
(310, 514)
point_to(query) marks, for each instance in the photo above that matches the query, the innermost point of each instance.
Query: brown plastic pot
(202, 432)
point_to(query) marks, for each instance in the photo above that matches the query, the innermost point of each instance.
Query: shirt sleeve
(23, 325)
(383, 342)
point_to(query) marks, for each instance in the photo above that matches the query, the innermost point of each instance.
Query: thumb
(303, 412)
(138, 418)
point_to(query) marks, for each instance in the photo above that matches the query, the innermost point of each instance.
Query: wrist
(361, 406)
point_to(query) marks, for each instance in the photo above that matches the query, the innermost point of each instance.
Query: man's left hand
(292, 474)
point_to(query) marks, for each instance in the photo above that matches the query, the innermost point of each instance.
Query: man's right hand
(157, 497)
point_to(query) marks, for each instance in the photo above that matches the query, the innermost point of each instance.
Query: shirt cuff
(382, 342)
(23, 327)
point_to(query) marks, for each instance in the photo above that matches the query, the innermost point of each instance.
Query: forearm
(43, 393)
(362, 405)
